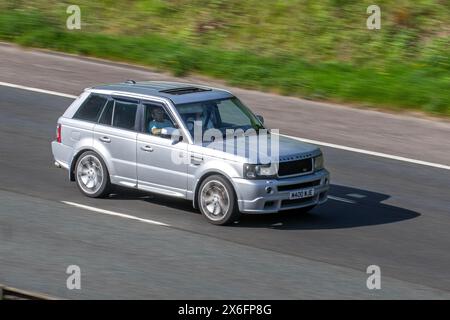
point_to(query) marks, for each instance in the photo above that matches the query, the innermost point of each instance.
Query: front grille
(299, 185)
(289, 168)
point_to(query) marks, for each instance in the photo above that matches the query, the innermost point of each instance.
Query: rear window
(91, 108)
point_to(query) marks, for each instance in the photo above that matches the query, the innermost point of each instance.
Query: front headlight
(260, 171)
(318, 163)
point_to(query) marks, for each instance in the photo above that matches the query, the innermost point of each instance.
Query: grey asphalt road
(398, 216)
(398, 219)
(401, 135)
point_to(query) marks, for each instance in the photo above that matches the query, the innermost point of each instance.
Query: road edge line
(371, 153)
(316, 142)
(54, 93)
(116, 214)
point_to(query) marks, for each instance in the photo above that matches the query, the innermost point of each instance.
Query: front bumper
(254, 198)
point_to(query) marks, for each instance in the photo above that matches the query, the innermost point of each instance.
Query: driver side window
(156, 119)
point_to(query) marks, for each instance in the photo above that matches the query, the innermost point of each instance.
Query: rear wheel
(217, 201)
(92, 176)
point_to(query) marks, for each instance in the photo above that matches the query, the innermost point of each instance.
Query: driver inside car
(159, 122)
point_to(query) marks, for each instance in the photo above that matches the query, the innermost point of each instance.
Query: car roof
(178, 92)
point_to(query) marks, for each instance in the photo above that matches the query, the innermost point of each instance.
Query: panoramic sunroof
(184, 90)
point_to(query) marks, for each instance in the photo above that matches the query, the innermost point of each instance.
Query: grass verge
(410, 85)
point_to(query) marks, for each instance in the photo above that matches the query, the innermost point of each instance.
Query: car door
(161, 161)
(115, 137)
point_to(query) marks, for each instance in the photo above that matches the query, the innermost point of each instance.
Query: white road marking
(341, 199)
(54, 93)
(117, 214)
(316, 142)
(372, 153)
(356, 195)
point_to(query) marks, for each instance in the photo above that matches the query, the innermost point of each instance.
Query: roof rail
(130, 81)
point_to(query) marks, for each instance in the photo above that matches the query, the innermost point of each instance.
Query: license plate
(305, 193)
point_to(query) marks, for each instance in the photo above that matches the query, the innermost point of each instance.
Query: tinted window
(106, 117)
(219, 114)
(156, 118)
(124, 114)
(229, 114)
(91, 108)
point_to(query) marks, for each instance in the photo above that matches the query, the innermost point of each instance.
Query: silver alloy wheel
(90, 174)
(214, 200)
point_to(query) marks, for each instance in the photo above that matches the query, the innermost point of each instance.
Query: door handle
(195, 160)
(105, 139)
(147, 148)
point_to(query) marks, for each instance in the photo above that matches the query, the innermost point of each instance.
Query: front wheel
(217, 201)
(92, 176)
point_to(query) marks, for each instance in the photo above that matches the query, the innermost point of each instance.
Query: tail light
(58, 133)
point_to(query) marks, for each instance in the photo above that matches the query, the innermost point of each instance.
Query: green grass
(408, 69)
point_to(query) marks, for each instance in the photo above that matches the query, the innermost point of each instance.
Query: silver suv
(145, 135)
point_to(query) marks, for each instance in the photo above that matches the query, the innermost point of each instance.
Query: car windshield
(220, 114)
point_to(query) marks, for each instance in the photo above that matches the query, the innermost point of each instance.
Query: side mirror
(173, 133)
(168, 131)
(260, 118)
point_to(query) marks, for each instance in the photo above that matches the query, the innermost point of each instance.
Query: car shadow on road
(346, 208)
(121, 193)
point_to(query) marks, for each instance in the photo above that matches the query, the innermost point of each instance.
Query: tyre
(217, 201)
(91, 175)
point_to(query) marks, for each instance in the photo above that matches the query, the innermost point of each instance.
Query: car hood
(242, 149)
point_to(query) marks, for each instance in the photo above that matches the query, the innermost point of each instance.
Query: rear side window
(124, 115)
(91, 108)
(106, 117)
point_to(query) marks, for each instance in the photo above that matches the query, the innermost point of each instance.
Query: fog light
(269, 189)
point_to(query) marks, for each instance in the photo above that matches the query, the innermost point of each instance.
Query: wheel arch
(78, 155)
(204, 177)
